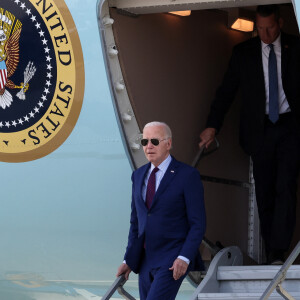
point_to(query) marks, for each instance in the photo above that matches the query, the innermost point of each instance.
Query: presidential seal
(41, 78)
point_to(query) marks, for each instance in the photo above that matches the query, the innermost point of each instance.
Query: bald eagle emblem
(8, 64)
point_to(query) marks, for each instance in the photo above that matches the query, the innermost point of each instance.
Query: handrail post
(282, 292)
(201, 153)
(118, 285)
(124, 294)
(280, 277)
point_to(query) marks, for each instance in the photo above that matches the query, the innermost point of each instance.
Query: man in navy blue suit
(167, 221)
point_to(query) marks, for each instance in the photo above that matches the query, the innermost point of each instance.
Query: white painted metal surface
(249, 282)
(240, 296)
(227, 278)
(230, 256)
(261, 272)
(156, 6)
(129, 127)
(280, 279)
(254, 237)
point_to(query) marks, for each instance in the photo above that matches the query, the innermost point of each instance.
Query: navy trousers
(158, 283)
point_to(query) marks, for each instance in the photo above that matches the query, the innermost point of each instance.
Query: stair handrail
(213, 248)
(203, 152)
(280, 277)
(118, 285)
(200, 154)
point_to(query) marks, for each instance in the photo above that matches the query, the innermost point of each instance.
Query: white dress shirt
(162, 168)
(265, 49)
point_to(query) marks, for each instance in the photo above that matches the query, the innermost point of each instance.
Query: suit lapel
(257, 57)
(257, 74)
(284, 54)
(166, 180)
(140, 182)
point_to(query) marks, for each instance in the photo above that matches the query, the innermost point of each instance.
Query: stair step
(255, 279)
(228, 279)
(255, 272)
(242, 296)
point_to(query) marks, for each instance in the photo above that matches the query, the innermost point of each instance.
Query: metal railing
(195, 277)
(204, 152)
(118, 286)
(254, 240)
(280, 277)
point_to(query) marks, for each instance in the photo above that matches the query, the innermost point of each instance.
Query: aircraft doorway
(170, 67)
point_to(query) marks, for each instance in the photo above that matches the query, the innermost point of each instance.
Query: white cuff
(184, 259)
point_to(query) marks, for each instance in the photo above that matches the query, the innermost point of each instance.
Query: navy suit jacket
(175, 223)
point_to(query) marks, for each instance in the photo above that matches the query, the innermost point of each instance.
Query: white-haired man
(167, 219)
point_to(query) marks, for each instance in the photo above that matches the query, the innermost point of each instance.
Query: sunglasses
(154, 142)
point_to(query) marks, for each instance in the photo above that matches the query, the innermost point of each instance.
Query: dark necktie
(273, 86)
(151, 188)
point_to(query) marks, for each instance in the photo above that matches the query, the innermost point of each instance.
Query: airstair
(228, 279)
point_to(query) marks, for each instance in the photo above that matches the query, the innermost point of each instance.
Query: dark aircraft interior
(172, 66)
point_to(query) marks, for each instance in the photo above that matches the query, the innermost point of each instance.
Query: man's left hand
(179, 268)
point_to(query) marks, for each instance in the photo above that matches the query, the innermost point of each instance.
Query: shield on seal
(3, 74)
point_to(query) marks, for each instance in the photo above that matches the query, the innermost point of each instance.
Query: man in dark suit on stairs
(167, 221)
(267, 71)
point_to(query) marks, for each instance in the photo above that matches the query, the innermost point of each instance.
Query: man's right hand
(207, 136)
(123, 269)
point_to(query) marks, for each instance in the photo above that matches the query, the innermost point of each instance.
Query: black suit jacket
(245, 71)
